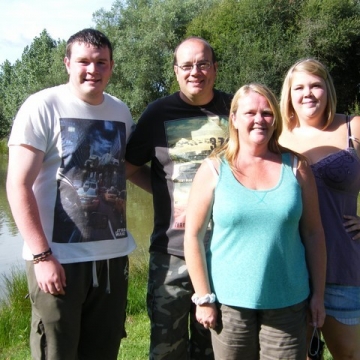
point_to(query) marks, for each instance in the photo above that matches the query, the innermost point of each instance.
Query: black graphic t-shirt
(176, 137)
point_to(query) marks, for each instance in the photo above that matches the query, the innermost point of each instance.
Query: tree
(252, 38)
(255, 41)
(145, 34)
(40, 63)
(330, 31)
(5, 101)
(41, 66)
(258, 40)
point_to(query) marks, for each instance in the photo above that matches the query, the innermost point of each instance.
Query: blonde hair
(314, 67)
(231, 148)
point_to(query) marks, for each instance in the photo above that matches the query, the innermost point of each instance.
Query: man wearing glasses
(176, 133)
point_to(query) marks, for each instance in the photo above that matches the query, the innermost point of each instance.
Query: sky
(23, 20)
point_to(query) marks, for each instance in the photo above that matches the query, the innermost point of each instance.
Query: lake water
(139, 219)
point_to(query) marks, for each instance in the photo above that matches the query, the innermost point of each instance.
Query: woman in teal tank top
(267, 252)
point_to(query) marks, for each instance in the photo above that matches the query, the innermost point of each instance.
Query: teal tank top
(256, 258)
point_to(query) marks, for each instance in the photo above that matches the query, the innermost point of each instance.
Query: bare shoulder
(340, 120)
(355, 126)
(214, 164)
(355, 132)
(285, 137)
(207, 171)
(304, 173)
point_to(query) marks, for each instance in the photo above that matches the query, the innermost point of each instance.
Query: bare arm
(313, 237)
(198, 214)
(355, 133)
(352, 222)
(24, 166)
(139, 175)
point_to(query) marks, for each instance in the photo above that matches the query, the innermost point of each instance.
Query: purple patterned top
(338, 182)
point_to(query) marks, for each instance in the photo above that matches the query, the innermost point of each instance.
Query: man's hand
(50, 276)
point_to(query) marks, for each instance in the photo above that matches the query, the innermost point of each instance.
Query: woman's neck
(313, 122)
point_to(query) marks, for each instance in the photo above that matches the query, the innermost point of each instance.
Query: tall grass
(137, 283)
(15, 313)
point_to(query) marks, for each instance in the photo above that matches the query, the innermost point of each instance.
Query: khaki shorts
(249, 334)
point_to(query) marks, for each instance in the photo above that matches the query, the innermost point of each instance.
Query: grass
(15, 316)
(15, 313)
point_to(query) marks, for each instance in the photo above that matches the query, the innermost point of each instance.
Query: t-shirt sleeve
(29, 125)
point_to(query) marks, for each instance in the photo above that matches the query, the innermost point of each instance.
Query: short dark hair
(213, 56)
(89, 36)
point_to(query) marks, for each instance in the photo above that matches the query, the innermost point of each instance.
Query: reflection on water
(10, 240)
(139, 218)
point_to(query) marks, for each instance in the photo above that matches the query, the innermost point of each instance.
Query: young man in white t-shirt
(66, 150)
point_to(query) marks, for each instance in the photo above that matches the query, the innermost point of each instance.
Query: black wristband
(42, 256)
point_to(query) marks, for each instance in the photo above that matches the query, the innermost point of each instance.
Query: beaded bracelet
(206, 299)
(42, 256)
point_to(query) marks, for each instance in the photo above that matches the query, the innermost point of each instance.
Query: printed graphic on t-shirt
(91, 185)
(190, 141)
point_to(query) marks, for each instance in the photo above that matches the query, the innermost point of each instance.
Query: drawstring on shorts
(95, 277)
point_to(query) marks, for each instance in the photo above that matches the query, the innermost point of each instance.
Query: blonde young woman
(330, 142)
(252, 285)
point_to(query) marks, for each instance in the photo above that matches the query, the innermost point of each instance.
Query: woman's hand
(317, 311)
(353, 224)
(206, 315)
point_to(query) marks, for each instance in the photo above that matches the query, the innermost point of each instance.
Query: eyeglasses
(205, 65)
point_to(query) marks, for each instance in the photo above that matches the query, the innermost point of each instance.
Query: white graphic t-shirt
(81, 188)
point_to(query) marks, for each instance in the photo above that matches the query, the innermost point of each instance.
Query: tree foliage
(258, 40)
(41, 66)
(144, 34)
(330, 31)
(255, 41)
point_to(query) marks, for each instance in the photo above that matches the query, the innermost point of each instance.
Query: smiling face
(196, 85)
(89, 70)
(253, 119)
(308, 95)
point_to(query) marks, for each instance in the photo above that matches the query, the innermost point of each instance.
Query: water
(139, 218)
